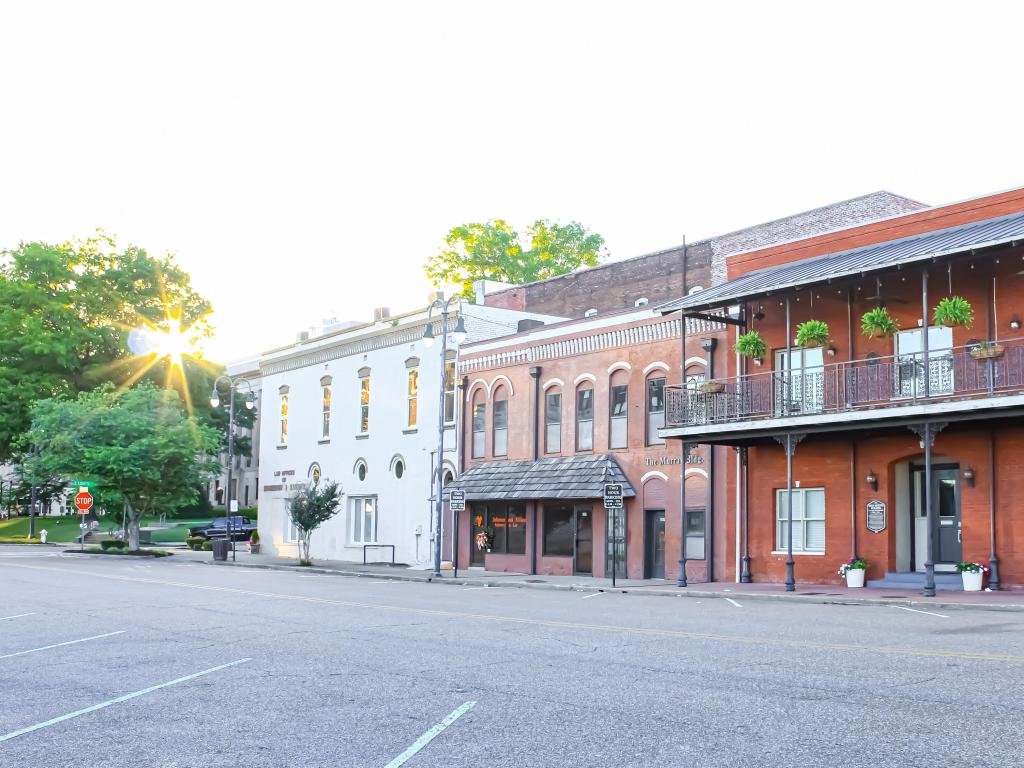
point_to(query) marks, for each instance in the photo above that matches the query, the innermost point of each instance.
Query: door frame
(576, 510)
(649, 515)
(917, 471)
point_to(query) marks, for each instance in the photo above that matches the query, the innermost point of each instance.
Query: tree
(310, 508)
(143, 451)
(67, 313)
(493, 251)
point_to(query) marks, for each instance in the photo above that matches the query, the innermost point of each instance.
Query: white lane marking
(118, 700)
(61, 645)
(903, 608)
(430, 735)
(16, 616)
(470, 589)
(379, 582)
(596, 594)
(730, 600)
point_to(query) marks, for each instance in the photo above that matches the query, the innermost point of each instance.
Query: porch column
(681, 579)
(788, 390)
(789, 444)
(927, 433)
(745, 577)
(924, 349)
(993, 561)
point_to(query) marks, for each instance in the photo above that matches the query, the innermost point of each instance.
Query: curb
(691, 593)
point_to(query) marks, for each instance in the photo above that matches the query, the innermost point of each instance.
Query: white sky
(303, 160)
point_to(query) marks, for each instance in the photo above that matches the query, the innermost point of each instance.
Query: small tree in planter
(877, 323)
(813, 333)
(310, 508)
(254, 543)
(854, 572)
(954, 312)
(750, 344)
(972, 574)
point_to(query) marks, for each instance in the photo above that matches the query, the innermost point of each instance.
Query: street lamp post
(215, 402)
(458, 335)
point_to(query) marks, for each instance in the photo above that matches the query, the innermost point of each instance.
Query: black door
(654, 547)
(946, 498)
(584, 542)
(478, 520)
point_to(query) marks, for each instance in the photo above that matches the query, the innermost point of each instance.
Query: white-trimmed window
(808, 520)
(585, 418)
(499, 423)
(325, 431)
(655, 409)
(284, 417)
(363, 520)
(412, 396)
(364, 401)
(449, 392)
(553, 422)
(479, 427)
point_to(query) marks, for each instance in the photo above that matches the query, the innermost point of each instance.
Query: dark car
(241, 528)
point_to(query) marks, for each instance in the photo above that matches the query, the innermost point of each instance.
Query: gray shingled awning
(856, 262)
(569, 477)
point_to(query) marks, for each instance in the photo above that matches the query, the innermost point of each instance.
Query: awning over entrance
(855, 262)
(568, 477)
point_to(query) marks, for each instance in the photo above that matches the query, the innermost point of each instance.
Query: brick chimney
(381, 313)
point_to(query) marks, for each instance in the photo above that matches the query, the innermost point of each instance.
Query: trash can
(220, 549)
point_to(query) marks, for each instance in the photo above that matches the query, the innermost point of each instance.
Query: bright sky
(303, 160)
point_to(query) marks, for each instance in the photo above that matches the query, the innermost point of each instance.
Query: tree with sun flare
(140, 446)
(77, 315)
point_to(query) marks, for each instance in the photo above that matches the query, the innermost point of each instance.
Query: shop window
(808, 520)
(695, 534)
(552, 422)
(559, 539)
(500, 423)
(505, 526)
(655, 409)
(618, 416)
(585, 418)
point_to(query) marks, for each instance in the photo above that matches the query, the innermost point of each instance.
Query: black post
(929, 563)
(231, 460)
(993, 561)
(535, 439)
(439, 503)
(681, 579)
(32, 514)
(745, 577)
(790, 576)
(708, 345)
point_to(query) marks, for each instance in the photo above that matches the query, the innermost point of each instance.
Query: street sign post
(613, 503)
(83, 484)
(613, 495)
(83, 501)
(457, 502)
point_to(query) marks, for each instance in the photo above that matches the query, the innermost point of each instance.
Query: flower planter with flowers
(254, 543)
(854, 572)
(972, 574)
(988, 351)
(483, 541)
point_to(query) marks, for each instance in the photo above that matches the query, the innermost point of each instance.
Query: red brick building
(901, 448)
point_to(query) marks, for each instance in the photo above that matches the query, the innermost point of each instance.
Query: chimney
(381, 313)
(528, 325)
(302, 336)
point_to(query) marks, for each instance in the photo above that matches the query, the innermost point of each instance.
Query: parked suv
(241, 528)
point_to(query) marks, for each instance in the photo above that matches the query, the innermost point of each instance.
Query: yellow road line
(646, 632)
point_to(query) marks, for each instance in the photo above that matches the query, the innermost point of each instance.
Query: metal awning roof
(855, 262)
(563, 477)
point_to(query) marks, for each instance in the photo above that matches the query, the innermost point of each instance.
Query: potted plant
(254, 543)
(750, 344)
(711, 387)
(854, 571)
(811, 334)
(972, 574)
(877, 323)
(987, 351)
(954, 312)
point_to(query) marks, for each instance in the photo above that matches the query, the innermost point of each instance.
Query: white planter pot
(855, 578)
(972, 581)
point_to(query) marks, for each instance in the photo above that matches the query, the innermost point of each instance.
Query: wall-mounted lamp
(831, 351)
(969, 476)
(872, 480)
(1015, 324)
(758, 360)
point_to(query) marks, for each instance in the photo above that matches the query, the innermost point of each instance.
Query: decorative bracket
(927, 431)
(789, 442)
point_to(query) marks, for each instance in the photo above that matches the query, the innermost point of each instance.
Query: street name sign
(613, 495)
(83, 500)
(457, 501)
(83, 483)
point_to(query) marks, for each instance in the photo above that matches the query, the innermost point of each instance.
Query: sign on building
(457, 501)
(613, 495)
(876, 516)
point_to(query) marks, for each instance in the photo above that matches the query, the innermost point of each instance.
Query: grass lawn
(65, 528)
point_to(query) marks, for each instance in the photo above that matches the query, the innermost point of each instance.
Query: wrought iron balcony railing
(968, 372)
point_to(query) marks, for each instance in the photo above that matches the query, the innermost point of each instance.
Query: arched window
(398, 467)
(412, 376)
(449, 387)
(499, 422)
(364, 400)
(655, 407)
(479, 423)
(618, 409)
(449, 478)
(325, 389)
(641, 302)
(590, 312)
(553, 420)
(360, 469)
(284, 416)
(585, 417)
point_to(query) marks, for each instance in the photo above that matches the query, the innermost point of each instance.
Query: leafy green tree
(310, 508)
(494, 251)
(141, 448)
(67, 314)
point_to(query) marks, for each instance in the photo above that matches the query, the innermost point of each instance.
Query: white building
(359, 404)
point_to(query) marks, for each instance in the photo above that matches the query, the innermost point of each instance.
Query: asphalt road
(335, 671)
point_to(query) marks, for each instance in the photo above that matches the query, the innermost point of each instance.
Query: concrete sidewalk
(811, 593)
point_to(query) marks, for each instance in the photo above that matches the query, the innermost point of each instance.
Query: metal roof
(855, 262)
(563, 477)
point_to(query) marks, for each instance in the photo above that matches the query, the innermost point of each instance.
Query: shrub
(954, 311)
(113, 544)
(207, 546)
(813, 333)
(305, 563)
(255, 538)
(877, 323)
(750, 344)
(195, 543)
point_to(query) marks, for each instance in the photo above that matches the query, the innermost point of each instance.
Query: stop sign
(83, 501)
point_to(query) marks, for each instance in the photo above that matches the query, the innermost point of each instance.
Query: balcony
(963, 378)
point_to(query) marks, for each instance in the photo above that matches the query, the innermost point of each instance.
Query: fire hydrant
(42, 535)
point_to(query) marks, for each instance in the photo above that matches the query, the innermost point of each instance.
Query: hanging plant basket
(712, 387)
(812, 334)
(750, 344)
(954, 312)
(878, 323)
(988, 351)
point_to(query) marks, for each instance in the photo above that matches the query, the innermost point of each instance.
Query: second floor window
(655, 409)
(618, 406)
(479, 429)
(326, 426)
(449, 392)
(413, 392)
(500, 419)
(585, 419)
(364, 404)
(284, 418)
(553, 422)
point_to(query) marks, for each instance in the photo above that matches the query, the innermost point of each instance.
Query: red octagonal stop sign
(83, 501)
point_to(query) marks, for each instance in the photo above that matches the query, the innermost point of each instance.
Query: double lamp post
(214, 403)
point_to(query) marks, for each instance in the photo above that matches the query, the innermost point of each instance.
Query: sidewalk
(807, 593)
